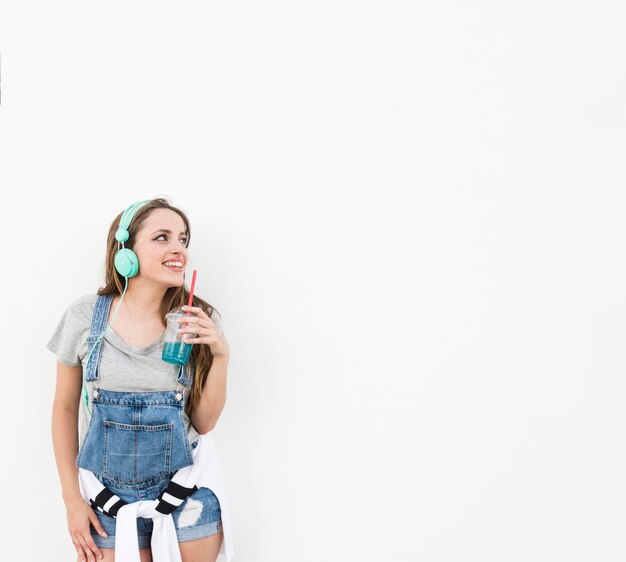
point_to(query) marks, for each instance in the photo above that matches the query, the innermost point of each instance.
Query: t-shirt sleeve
(69, 339)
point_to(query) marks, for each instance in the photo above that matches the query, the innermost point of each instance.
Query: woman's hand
(79, 515)
(204, 331)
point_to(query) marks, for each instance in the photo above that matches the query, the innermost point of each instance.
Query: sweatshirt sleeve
(69, 340)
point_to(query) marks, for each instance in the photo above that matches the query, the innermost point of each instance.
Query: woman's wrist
(72, 497)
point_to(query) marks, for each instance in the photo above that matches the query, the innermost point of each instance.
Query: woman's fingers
(198, 320)
(198, 328)
(93, 518)
(88, 547)
(97, 525)
(92, 545)
(79, 517)
(79, 549)
(195, 310)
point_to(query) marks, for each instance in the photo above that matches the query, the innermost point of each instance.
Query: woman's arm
(65, 427)
(204, 331)
(208, 410)
(65, 443)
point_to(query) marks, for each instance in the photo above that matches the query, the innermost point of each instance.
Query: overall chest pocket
(134, 453)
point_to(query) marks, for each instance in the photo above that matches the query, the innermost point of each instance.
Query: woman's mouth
(173, 266)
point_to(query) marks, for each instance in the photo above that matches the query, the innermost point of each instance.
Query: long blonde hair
(174, 296)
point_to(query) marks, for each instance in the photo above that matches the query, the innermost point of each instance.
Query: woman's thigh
(205, 549)
(108, 555)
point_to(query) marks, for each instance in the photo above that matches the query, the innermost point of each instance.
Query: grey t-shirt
(123, 367)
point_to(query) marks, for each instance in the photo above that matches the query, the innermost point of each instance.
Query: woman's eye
(184, 240)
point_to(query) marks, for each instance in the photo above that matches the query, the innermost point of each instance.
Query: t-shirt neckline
(123, 343)
(142, 350)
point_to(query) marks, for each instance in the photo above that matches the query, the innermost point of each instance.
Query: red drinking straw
(193, 284)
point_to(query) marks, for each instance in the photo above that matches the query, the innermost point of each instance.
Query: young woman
(131, 421)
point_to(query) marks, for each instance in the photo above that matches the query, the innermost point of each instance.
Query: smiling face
(160, 239)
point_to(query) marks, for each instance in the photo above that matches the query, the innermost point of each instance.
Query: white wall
(410, 215)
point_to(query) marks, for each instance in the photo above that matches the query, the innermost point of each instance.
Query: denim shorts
(197, 517)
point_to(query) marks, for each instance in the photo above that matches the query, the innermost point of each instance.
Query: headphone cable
(85, 393)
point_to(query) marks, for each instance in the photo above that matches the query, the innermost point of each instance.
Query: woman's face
(160, 239)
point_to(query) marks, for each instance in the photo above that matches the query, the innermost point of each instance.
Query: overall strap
(98, 326)
(185, 373)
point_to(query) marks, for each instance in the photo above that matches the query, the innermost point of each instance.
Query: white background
(411, 217)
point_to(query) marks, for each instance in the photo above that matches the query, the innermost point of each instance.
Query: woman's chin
(171, 280)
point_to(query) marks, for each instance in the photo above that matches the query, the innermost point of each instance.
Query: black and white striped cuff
(107, 502)
(172, 497)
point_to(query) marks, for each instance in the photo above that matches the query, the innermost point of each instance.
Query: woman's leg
(199, 527)
(201, 550)
(145, 555)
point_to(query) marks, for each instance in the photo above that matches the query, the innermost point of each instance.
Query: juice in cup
(175, 350)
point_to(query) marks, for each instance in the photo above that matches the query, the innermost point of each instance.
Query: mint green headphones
(126, 261)
(126, 264)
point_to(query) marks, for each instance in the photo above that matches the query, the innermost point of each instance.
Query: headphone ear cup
(126, 262)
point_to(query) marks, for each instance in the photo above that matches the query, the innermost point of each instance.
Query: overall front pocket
(134, 453)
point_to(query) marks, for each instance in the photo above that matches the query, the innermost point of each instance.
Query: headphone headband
(127, 216)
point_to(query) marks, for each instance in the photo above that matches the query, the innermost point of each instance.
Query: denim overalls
(134, 439)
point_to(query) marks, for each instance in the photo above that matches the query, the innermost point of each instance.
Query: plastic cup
(175, 350)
